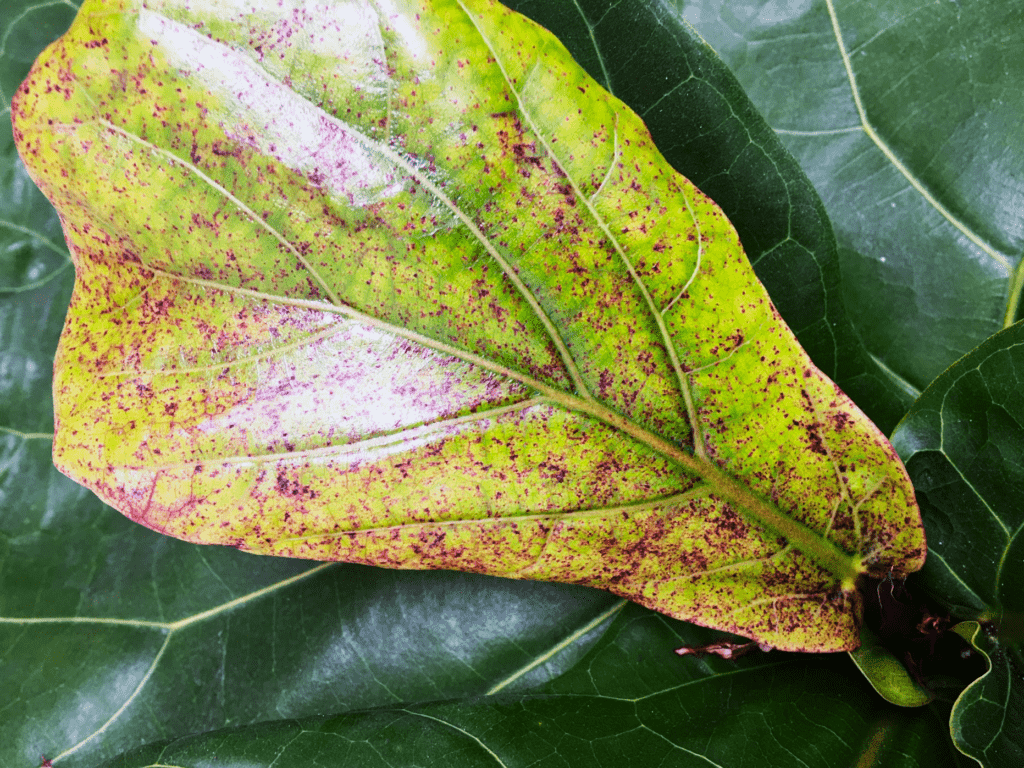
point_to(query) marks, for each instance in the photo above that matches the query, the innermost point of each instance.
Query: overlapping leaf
(351, 286)
(705, 124)
(963, 442)
(906, 116)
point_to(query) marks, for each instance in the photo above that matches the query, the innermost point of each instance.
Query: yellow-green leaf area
(887, 675)
(397, 283)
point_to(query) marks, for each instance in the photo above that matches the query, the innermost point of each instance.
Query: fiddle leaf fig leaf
(352, 286)
(983, 724)
(963, 441)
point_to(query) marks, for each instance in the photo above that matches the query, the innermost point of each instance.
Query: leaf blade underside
(443, 320)
(649, 55)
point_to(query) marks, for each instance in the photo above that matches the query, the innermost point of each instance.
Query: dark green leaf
(963, 443)
(114, 636)
(627, 703)
(986, 718)
(35, 279)
(906, 116)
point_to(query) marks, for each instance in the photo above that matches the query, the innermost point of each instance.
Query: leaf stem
(1016, 289)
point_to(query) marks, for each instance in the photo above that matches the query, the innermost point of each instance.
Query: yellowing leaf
(397, 283)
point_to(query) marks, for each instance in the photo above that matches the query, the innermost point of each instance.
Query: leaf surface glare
(353, 285)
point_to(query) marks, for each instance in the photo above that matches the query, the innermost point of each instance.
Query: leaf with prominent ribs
(395, 282)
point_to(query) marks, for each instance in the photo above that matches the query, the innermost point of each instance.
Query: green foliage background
(872, 161)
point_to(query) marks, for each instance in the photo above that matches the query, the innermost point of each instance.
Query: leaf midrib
(842, 564)
(174, 626)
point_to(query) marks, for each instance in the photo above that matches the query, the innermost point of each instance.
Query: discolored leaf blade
(384, 301)
(646, 54)
(963, 442)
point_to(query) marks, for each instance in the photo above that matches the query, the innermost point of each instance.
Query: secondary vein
(890, 155)
(655, 313)
(251, 214)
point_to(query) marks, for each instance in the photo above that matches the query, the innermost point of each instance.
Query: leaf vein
(274, 351)
(124, 706)
(249, 212)
(898, 164)
(400, 436)
(597, 48)
(454, 727)
(558, 647)
(681, 377)
(570, 516)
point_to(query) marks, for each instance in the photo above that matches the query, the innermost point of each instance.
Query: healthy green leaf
(210, 637)
(354, 287)
(906, 116)
(35, 259)
(986, 718)
(617, 707)
(963, 442)
(705, 124)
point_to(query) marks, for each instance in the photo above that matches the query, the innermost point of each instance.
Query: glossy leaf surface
(436, 321)
(212, 637)
(887, 674)
(963, 442)
(622, 704)
(906, 116)
(986, 722)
